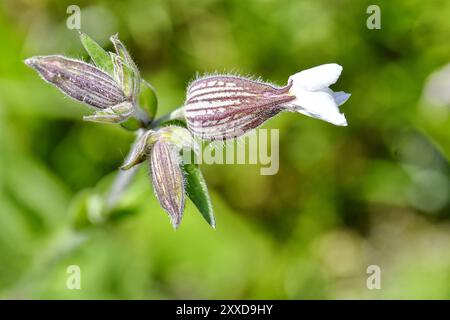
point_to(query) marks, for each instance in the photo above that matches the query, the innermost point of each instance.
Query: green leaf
(99, 56)
(197, 191)
(148, 100)
(131, 124)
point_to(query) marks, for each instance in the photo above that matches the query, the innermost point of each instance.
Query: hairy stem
(175, 114)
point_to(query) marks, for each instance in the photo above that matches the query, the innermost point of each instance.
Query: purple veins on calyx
(79, 80)
(168, 180)
(223, 107)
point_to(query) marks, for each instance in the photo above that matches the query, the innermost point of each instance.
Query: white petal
(321, 105)
(341, 97)
(316, 78)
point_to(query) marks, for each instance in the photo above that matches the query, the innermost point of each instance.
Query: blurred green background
(375, 192)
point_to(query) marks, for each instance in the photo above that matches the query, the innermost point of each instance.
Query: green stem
(176, 114)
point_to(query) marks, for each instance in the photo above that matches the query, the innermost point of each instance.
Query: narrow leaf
(197, 191)
(147, 100)
(131, 124)
(99, 56)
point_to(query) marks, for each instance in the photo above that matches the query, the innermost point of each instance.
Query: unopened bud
(79, 80)
(168, 180)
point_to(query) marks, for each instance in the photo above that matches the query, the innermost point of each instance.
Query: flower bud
(79, 80)
(224, 107)
(168, 180)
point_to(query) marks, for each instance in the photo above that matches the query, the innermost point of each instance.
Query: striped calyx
(225, 107)
(79, 80)
(163, 147)
(168, 180)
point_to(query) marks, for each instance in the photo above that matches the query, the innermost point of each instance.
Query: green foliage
(148, 100)
(100, 57)
(197, 191)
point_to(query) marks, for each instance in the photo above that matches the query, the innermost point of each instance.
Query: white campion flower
(314, 98)
(223, 107)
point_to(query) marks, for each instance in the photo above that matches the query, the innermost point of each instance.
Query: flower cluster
(218, 107)
(111, 86)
